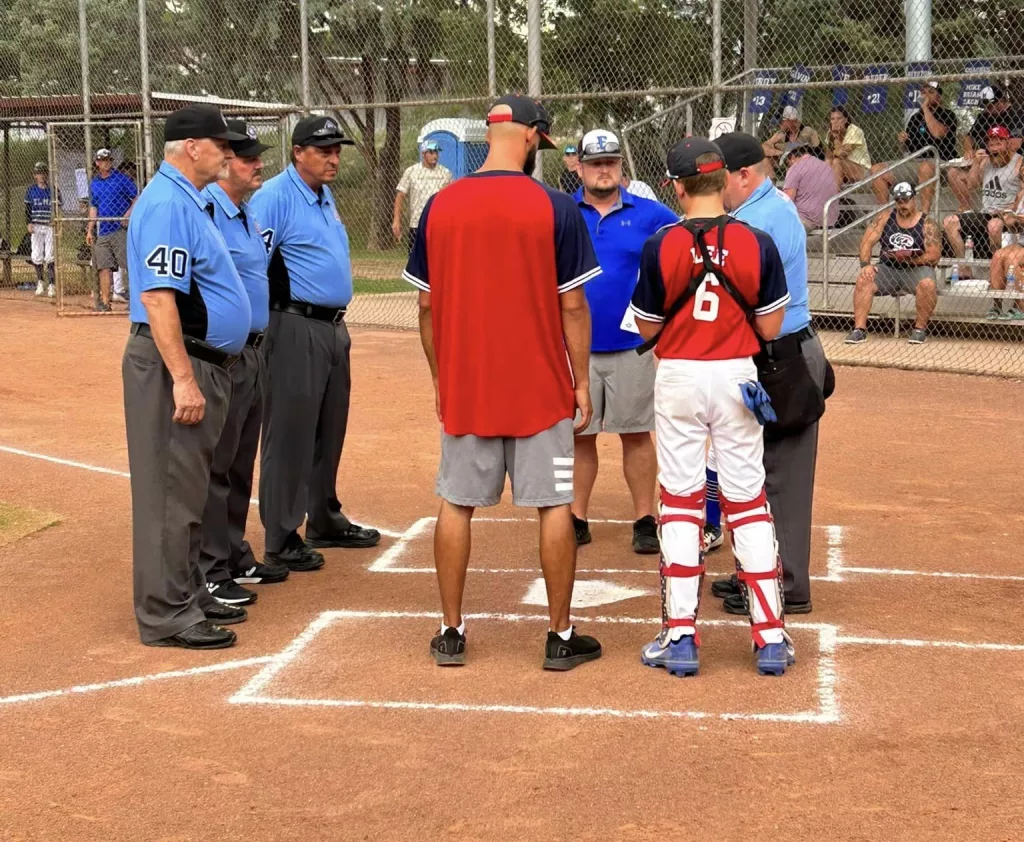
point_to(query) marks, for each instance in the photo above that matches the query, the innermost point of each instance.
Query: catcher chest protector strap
(694, 514)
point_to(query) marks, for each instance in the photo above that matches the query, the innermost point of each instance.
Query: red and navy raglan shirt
(713, 326)
(495, 250)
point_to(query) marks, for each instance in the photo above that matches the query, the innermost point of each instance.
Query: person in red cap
(708, 288)
(996, 170)
(500, 262)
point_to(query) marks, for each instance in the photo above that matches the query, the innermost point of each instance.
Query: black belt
(789, 345)
(334, 315)
(194, 348)
(255, 340)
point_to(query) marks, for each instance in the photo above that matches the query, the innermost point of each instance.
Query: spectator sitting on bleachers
(810, 184)
(996, 111)
(910, 249)
(931, 125)
(997, 171)
(791, 130)
(1002, 261)
(846, 148)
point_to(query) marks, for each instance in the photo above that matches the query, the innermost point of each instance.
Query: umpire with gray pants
(307, 353)
(225, 558)
(789, 461)
(190, 319)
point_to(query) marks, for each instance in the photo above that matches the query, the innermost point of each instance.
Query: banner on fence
(761, 100)
(912, 95)
(875, 96)
(841, 73)
(970, 89)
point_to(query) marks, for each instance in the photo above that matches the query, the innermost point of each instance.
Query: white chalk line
(98, 469)
(225, 666)
(253, 692)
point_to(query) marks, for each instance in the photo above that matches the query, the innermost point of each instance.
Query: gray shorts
(622, 392)
(472, 471)
(893, 281)
(110, 251)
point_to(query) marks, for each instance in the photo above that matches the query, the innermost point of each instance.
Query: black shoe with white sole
(449, 649)
(562, 655)
(259, 573)
(229, 592)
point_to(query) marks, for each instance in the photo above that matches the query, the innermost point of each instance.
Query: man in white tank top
(997, 172)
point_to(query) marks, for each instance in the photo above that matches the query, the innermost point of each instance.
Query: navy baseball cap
(525, 111)
(682, 158)
(319, 131)
(740, 150)
(196, 122)
(251, 146)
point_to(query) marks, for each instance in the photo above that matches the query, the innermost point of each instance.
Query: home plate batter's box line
(254, 692)
(388, 561)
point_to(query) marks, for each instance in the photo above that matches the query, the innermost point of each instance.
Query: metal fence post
(750, 13)
(304, 53)
(716, 57)
(83, 49)
(492, 65)
(533, 68)
(147, 104)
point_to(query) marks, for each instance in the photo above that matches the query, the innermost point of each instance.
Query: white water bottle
(1011, 278)
(954, 275)
(969, 250)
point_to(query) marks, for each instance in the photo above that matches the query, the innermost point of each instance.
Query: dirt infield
(329, 720)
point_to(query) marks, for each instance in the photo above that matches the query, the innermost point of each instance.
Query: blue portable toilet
(463, 142)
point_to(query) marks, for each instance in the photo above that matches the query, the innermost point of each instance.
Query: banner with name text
(875, 96)
(841, 73)
(801, 75)
(761, 100)
(912, 95)
(970, 89)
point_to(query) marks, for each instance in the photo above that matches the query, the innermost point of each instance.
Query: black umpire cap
(196, 122)
(319, 131)
(682, 158)
(525, 111)
(251, 146)
(740, 150)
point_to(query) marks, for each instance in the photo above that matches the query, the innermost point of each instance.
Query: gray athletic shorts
(622, 392)
(473, 468)
(893, 281)
(110, 251)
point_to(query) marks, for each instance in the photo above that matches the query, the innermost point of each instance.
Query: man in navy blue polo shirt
(190, 319)
(308, 376)
(225, 556)
(621, 382)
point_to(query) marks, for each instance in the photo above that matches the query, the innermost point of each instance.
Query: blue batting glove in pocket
(757, 401)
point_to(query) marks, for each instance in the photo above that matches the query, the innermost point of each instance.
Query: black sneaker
(565, 655)
(726, 587)
(645, 536)
(582, 529)
(735, 604)
(352, 537)
(230, 593)
(259, 573)
(296, 556)
(449, 649)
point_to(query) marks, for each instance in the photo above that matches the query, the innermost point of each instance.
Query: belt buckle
(339, 316)
(258, 340)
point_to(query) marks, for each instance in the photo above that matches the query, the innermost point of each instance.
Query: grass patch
(17, 522)
(380, 286)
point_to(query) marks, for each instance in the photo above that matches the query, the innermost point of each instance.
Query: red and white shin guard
(760, 571)
(681, 533)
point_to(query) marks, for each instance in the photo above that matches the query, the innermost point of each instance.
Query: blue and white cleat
(679, 657)
(773, 658)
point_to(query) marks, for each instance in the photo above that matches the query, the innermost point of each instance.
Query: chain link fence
(398, 72)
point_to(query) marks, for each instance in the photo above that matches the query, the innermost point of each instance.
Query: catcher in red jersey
(708, 288)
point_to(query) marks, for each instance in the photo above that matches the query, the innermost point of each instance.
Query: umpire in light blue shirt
(307, 353)
(789, 462)
(225, 557)
(190, 319)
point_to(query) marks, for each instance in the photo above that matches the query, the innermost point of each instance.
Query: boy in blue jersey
(39, 220)
(621, 382)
